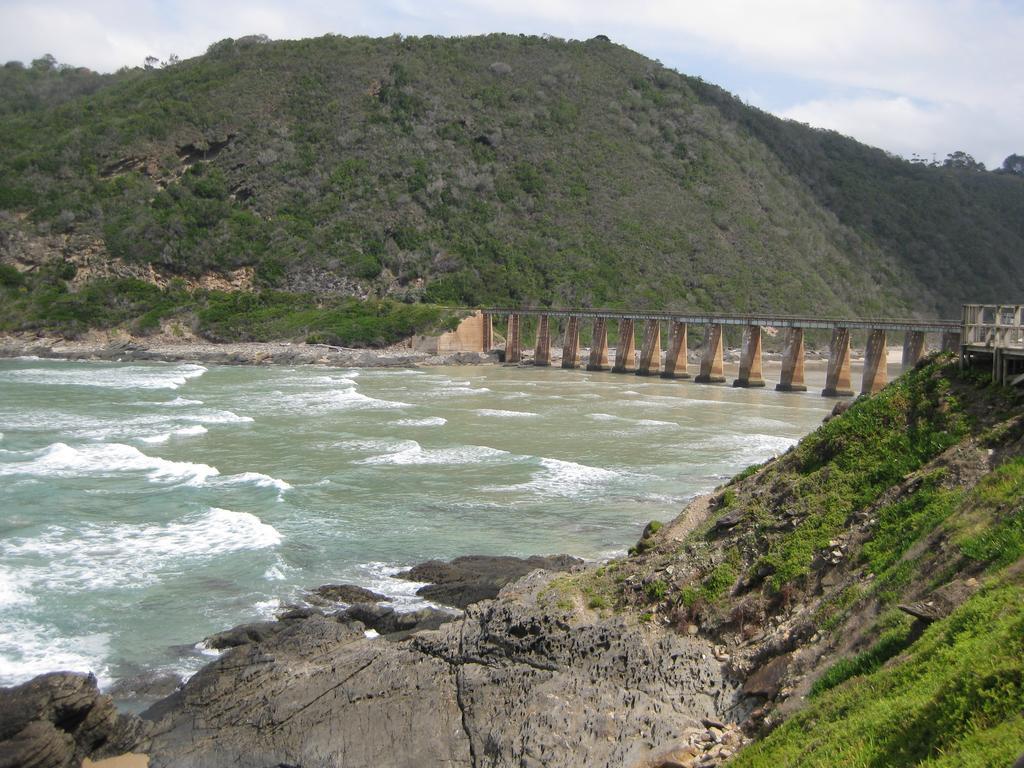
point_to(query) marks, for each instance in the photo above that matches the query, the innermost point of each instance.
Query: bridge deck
(775, 321)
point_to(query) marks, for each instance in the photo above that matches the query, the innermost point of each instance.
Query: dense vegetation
(913, 496)
(498, 169)
(42, 302)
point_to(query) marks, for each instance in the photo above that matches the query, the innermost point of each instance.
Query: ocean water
(146, 506)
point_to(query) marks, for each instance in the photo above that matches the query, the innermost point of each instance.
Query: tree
(1013, 164)
(44, 63)
(151, 62)
(961, 159)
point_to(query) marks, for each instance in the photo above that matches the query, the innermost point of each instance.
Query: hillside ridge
(483, 170)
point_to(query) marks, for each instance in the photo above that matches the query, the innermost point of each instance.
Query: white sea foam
(258, 479)
(28, 649)
(414, 453)
(374, 444)
(604, 417)
(333, 399)
(267, 608)
(62, 460)
(564, 478)
(217, 417)
(163, 437)
(657, 423)
(497, 413)
(104, 556)
(380, 577)
(464, 390)
(748, 449)
(109, 377)
(430, 421)
(180, 402)
(11, 593)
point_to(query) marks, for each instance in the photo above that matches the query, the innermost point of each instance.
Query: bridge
(994, 333)
(647, 359)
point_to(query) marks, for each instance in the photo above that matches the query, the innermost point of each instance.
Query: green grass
(850, 461)
(891, 641)
(999, 540)
(956, 698)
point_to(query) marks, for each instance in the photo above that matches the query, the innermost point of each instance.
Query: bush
(10, 277)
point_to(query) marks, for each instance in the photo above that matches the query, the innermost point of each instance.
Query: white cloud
(899, 125)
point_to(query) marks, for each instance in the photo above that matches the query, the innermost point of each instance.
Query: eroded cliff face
(515, 681)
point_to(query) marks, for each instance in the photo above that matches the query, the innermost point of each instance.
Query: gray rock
(58, 720)
(512, 682)
(346, 593)
(388, 621)
(472, 578)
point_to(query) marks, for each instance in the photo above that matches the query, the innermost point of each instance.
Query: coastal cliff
(858, 600)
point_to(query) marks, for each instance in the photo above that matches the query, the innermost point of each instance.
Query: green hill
(497, 169)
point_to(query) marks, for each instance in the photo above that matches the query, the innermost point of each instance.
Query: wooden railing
(993, 325)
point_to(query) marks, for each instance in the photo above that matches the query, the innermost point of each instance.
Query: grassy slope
(579, 172)
(921, 488)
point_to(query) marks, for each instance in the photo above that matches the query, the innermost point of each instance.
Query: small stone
(692, 629)
(716, 734)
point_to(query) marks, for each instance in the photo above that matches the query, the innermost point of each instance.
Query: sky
(914, 77)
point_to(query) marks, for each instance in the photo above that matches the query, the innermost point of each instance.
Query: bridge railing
(768, 320)
(994, 325)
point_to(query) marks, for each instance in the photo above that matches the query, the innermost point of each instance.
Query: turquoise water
(145, 506)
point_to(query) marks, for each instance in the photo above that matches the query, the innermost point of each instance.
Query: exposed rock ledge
(517, 681)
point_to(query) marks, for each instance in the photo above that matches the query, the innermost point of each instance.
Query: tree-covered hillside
(497, 169)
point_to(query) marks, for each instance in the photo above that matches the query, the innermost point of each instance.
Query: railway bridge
(649, 359)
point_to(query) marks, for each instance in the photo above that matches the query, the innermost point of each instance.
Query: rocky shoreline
(131, 349)
(518, 677)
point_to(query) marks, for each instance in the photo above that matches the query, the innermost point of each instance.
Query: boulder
(345, 593)
(59, 719)
(388, 621)
(472, 578)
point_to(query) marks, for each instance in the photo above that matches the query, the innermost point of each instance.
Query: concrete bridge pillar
(650, 352)
(750, 359)
(599, 346)
(913, 348)
(571, 344)
(792, 378)
(951, 341)
(675, 358)
(513, 342)
(837, 380)
(488, 333)
(625, 351)
(542, 352)
(712, 363)
(875, 363)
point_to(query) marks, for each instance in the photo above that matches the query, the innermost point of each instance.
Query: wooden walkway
(994, 333)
